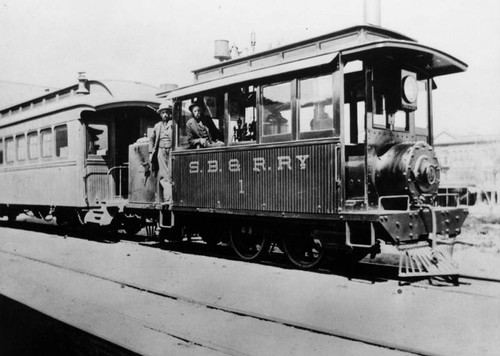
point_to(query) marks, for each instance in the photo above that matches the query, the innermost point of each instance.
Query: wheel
(133, 225)
(304, 251)
(249, 243)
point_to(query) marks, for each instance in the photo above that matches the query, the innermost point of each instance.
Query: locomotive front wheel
(250, 244)
(304, 251)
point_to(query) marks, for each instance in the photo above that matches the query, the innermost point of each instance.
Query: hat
(198, 104)
(166, 105)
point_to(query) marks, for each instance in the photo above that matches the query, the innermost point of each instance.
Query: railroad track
(309, 326)
(337, 333)
(366, 270)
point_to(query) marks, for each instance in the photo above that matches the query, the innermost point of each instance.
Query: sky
(161, 41)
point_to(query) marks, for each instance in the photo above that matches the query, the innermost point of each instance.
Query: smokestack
(372, 12)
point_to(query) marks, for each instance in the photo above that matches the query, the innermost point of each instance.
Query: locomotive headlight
(410, 89)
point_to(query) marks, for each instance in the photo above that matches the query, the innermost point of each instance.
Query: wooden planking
(298, 178)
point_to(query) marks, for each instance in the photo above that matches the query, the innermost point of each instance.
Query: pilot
(161, 146)
(201, 131)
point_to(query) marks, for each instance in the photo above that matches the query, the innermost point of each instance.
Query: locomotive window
(277, 109)
(184, 116)
(97, 139)
(422, 112)
(316, 106)
(401, 120)
(61, 140)
(242, 114)
(33, 149)
(21, 147)
(1, 151)
(9, 150)
(212, 118)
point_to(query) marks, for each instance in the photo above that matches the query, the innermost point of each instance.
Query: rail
(116, 188)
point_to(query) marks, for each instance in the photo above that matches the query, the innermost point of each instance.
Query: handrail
(112, 183)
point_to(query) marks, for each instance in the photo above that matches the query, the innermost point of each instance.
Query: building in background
(472, 163)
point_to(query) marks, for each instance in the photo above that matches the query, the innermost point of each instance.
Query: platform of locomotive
(151, 300)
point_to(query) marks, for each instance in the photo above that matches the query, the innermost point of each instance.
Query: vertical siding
(97, 183)
(204, 179)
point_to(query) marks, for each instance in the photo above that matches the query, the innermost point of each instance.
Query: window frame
(227, 108)
(324, 133)
(50, 145)
(57, 149)
(19, 147)
(280, 137)
(92, 156)
(181, 120)
(13, 149)
(37, 150)
(2, 150)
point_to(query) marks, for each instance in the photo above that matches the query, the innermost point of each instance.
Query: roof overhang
(283, 68)
(430, 60)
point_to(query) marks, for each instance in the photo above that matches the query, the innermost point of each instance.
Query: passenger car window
(61, 140)
(33, 148)
(1, 151)
(276, 109)
(9, 150)
(46, 140)
(21, 147)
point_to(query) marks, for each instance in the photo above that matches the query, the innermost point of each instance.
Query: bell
(82, 84)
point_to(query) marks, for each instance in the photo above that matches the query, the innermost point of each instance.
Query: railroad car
(327, 151)
(57, 151)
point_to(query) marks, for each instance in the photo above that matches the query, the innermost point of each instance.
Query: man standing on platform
(161, 144)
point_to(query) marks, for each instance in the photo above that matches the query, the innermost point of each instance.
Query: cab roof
(358, 42)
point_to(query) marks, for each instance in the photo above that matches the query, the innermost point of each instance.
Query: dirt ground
(482, 229)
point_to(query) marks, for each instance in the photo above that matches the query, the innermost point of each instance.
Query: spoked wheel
(304, 251)
(249, 243)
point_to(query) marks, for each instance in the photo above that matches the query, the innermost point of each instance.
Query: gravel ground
(482, 229)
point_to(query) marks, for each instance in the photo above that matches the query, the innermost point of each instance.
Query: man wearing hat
(198, 130)
(161, 145)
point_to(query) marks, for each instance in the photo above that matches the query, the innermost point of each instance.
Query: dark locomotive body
(367, 174)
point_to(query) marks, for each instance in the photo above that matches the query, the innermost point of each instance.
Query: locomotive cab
(386, 112)
(391, 171)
